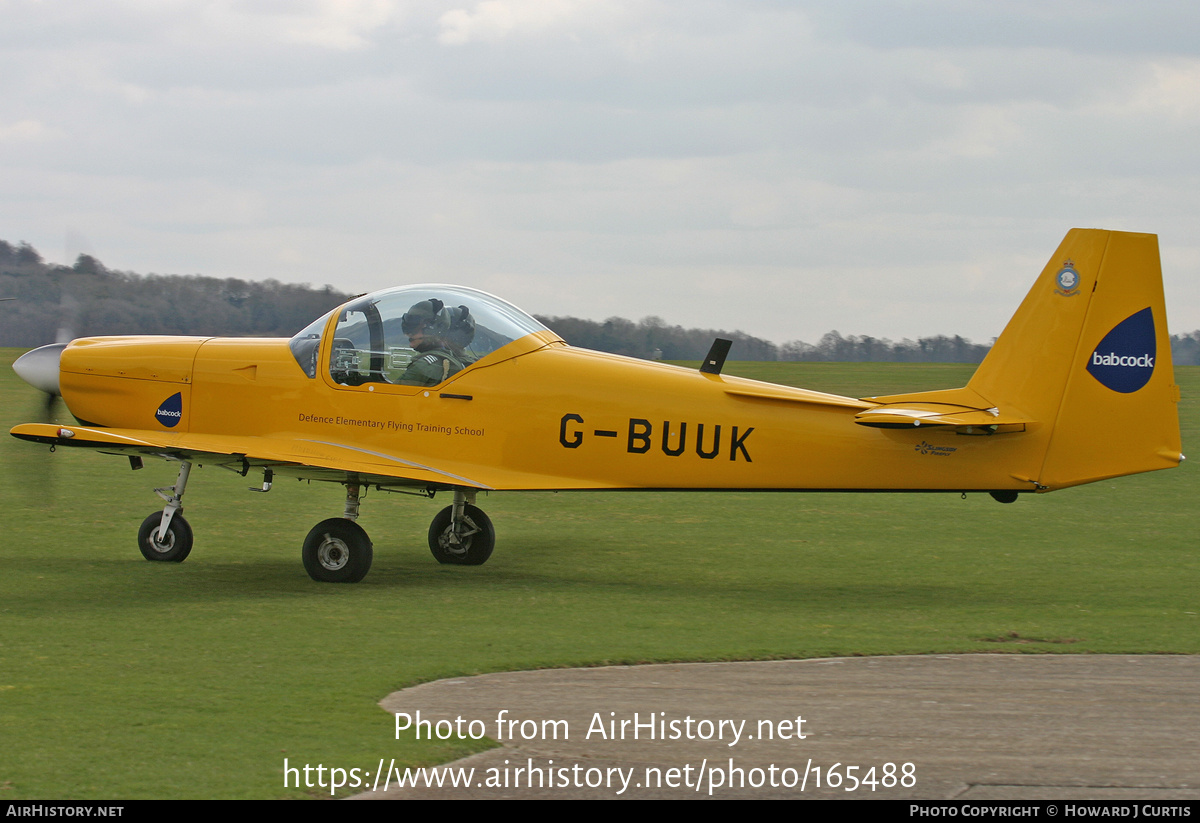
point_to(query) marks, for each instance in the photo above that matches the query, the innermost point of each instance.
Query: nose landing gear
(165, 536)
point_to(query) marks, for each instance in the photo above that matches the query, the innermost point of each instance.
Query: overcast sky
(896, 169)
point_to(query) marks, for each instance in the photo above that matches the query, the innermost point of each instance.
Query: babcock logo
(1124, 360)
(171, 411)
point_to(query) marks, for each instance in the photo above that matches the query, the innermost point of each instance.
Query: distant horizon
(651, 336)
(543, 316)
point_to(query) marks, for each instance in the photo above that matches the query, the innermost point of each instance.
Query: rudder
(1088, 355)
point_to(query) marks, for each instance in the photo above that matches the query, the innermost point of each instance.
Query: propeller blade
(39, 368)
(49, 410)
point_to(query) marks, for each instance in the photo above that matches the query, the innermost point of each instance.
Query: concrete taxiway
(973, 727)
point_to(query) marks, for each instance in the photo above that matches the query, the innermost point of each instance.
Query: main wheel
(337, 550)
(174, 548)
(475, 543)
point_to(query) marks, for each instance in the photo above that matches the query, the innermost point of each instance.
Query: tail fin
(1082, 373)
(1088, 356)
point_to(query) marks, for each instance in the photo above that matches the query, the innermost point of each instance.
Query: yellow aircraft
(436, 388)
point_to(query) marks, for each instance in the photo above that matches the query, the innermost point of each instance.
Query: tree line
(652, 338)
(87, 299)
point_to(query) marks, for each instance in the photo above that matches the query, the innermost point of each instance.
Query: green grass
(121, 678)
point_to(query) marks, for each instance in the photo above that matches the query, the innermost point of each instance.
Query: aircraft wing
(312, 459)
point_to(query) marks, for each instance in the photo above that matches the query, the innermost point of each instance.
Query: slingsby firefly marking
(431, 389)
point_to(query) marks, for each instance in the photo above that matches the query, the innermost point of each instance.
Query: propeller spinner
(39, 368)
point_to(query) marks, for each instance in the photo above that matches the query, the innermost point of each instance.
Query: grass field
(122, 679)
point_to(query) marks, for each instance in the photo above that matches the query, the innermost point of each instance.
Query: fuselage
(535, 414)
(1078, 388)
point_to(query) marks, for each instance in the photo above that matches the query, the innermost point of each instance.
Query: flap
(287, 456)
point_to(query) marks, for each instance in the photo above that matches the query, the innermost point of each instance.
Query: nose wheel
(165, 536)
(173, 547)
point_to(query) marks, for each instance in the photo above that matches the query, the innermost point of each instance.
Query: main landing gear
(338, 550)
(462, 534)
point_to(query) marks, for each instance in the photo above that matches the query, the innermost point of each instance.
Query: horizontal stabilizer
(966, 420)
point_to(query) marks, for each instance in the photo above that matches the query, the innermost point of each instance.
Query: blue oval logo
(171, 411)
(1124, 359)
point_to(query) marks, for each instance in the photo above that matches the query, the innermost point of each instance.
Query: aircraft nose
(39, 367)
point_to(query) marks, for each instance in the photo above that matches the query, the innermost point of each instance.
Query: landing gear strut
(462, 534)
(338, 550)
(165, 535)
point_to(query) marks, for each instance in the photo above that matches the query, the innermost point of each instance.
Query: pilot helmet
(462, 327)
(430, 315)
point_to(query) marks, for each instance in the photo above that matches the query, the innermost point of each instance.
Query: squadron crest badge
(1068, 280)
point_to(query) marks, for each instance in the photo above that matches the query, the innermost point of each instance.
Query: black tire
(474, 548)
(177, 545)
(337, 550)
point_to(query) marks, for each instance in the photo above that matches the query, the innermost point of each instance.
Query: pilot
(462, 332)
(439, 334)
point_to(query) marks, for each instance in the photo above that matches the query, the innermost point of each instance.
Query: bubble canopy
(371, 341)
